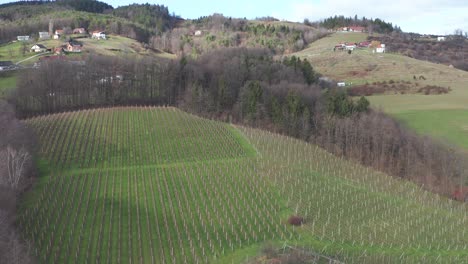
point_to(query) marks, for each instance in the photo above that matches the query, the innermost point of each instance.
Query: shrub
(295, 220)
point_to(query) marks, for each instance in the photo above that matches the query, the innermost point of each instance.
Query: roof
(59, 31)
(6, 63)
(75, 44)
(40, 46)
(357, 28)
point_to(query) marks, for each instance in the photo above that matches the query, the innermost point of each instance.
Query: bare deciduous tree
(16, 161)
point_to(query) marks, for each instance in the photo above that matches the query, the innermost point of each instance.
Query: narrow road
(31, 57)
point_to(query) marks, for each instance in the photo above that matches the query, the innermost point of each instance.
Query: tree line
(16, 174)
(250, 87)
(373, 25)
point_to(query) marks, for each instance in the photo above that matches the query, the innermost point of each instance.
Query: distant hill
(23, 9)
(452, 50)
(136, 21)
(198, 36)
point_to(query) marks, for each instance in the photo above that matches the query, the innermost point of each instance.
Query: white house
(38, 48)
(441, 38)
(198, 33)
(44, 35)
(98, 35)
(341, 84)
(350, 46)
(380, 48)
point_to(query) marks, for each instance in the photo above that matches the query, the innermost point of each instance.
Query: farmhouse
(38, 48)
(98, 35)
(22, 38)
(441, 38)
(380, 48)
(6, 65)
(59, 32)
(357, 29)
(74, 46)
(198, 33)
(44, 35)
(79, 31)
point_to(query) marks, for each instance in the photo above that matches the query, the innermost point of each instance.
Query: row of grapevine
(360, 209)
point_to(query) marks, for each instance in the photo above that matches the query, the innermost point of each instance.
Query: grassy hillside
(362, 66)
(157, 184)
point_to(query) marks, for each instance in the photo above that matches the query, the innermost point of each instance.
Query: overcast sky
(421, 16)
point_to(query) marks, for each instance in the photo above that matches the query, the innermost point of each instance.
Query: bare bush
(295, 220)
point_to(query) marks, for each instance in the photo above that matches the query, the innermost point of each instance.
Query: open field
(120, 46)
(13, 51)
(7, 83)
(363, 66)
(448, 125)
(155, 185)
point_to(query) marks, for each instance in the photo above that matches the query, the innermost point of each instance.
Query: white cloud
(423, 16)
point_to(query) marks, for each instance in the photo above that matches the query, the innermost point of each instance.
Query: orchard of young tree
(246, 86)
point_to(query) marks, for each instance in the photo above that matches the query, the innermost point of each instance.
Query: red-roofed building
(357, 29)
(74, 46)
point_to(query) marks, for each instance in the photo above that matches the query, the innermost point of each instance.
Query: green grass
(13, 51)
(448, 125)
(120, 46)
(153, 185)
(7, 83)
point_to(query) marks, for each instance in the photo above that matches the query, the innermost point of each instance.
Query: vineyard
(158, 185)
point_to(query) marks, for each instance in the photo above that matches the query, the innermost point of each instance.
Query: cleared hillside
(154, 185)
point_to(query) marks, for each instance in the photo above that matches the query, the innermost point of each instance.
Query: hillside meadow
(441, 116)
(158, 185)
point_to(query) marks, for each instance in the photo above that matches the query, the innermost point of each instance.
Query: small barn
(98, 35)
